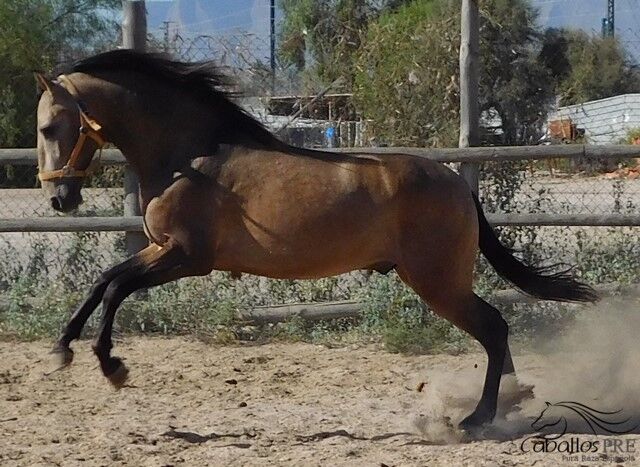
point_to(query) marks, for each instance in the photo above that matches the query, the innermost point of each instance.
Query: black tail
(535, 281)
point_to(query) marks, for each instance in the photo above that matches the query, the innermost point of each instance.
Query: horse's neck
(135, 114)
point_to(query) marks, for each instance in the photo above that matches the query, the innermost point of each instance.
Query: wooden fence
(351, 309)
(28, 157)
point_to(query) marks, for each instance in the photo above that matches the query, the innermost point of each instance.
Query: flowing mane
(203, 79)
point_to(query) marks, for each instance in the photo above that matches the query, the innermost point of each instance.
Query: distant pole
(272, 15)
(469, 106)
(165, 26)
(609, 23)
(134, 36)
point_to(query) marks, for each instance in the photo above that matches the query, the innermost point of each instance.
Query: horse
(218, 191)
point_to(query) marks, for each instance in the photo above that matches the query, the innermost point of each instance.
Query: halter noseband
(89, 128)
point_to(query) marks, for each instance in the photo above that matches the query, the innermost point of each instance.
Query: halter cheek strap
(89, 128)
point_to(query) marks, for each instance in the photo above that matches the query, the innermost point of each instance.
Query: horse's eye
(48, 130)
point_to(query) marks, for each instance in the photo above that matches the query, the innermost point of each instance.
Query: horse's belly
(300, 269)
(305, 250)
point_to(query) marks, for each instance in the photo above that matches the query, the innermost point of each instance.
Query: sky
(588, 14)
(233, 24)
(229, 17)
(207, 16)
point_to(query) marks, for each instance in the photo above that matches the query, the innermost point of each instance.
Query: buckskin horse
(219, 191)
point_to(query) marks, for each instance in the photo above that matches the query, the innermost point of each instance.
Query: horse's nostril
(56, 203)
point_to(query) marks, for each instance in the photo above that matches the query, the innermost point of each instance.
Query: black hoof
(116, 372)
(61, 357)
(475, 421)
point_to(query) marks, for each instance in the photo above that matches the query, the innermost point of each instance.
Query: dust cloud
(595, 362)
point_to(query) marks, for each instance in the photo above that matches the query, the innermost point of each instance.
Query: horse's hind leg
(508, 368)
(450, 296)
(514, 392)
(491, 330)
(62, 351)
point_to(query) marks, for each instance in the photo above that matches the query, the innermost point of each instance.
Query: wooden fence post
(134, 36)
(469, 106)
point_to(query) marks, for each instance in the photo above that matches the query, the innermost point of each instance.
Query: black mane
(200, 78)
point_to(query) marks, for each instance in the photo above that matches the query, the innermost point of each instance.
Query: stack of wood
(563, 130)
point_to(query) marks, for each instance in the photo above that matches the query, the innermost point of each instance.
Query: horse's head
(549, 418)
(67, 140)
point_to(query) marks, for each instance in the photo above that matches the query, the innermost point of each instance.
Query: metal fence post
(469, 106)
(134, 36)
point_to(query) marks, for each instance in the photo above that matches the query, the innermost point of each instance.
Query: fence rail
(28, 157)
(135, 224)
(509, 153)
(351, 309)
(72, 224)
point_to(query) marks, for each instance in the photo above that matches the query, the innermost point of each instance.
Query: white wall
(605, 121)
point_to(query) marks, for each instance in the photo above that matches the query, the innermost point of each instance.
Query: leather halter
(89, 128)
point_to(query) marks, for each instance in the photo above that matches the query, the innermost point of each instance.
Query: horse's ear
(43, 83)
(548, 404)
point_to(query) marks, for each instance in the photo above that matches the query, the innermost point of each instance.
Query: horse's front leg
(62, 352)
(154, 265)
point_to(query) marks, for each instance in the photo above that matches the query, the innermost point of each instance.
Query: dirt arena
(189, 403)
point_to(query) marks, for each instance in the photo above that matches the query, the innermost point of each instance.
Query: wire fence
(598, 187)
(552, 187)
(556, 186)
(52, 256)
(244, 56)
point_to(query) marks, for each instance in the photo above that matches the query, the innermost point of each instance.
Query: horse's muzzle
(67, 198)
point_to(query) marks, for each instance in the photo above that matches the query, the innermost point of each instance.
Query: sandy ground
(189, 403)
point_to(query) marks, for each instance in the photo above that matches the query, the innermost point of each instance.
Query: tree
(38, 35)
(321, 37)
(406, 81)
(514, 84)
(401, 60)
(588, 67)
(407, 73)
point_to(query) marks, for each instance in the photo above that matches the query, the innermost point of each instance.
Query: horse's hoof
(61, 357)
(118, 377)
(475, 422)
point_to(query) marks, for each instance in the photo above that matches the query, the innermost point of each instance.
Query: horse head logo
(555, 418)
(550, 419)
